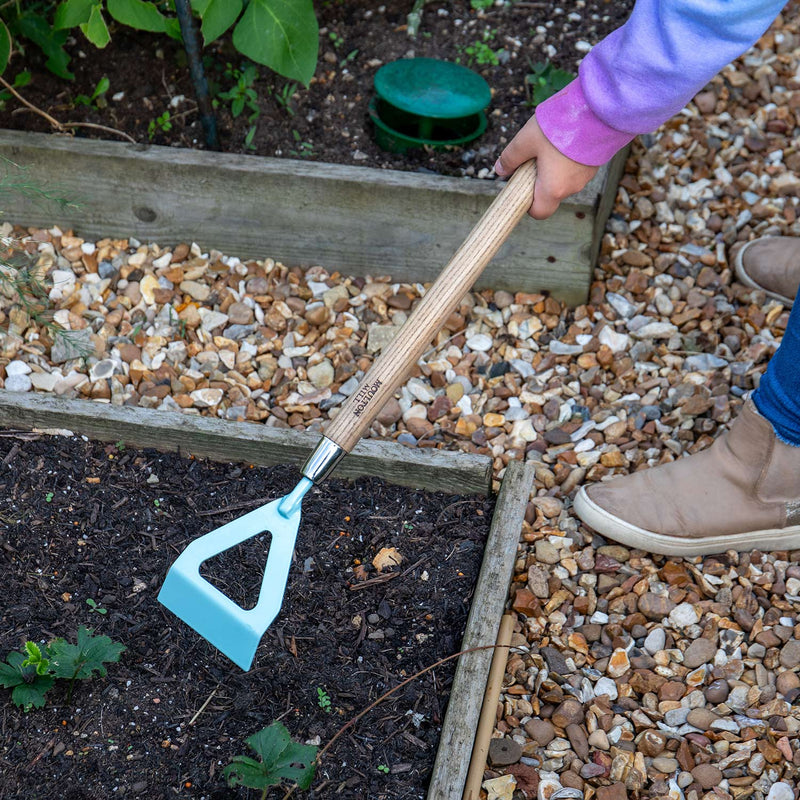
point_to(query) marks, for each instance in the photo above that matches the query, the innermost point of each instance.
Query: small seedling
(481, 52)
(98, 97)
(242, 95)
(27, 675)
(157, 503)
(336, 39)
(82, 660)
(383, 768)
(120, 445)
(479, 5)
(284, 97)
(30, 674)
(324, 700)
(161, 123)
(281, 760)
(93, 605)
(303, 148)
(48, 498)
(349, 57)
(544, 81)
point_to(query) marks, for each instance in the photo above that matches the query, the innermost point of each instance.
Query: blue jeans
(778, 394)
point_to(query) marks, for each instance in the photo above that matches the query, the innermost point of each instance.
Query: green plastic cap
(431, 88)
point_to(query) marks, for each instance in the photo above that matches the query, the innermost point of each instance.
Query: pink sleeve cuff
(575, 130)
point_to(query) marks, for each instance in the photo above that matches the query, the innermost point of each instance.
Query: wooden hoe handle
(392, 367)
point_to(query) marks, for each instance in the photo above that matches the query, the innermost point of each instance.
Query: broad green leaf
(138, 14)
(281, 760)
(217, 16)
(173, 29)
(50, 42)
(297, 763)
(246, 771)
(32, 695)
(11, 672)
(84, 659)
(96, 30)
(72, 13)
(5, 46)
(270, 742)
(282, 34)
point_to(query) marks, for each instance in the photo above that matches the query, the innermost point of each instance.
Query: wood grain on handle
(393, 365)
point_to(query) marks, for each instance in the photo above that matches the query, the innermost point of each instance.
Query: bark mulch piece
(80, 520)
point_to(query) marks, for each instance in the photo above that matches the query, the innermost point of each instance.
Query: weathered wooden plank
(244, 442)
(488, 601)
(357, 220)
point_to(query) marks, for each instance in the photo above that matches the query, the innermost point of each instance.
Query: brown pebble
(541, 731)
(503, 752)
(579, 741)
(707, 775)
(786, 682)
(616, 791)
(569, 712)
(717, 691)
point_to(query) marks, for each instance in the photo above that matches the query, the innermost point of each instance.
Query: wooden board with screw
(356, 220)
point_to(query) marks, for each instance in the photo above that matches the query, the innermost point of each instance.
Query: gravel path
(634, 676)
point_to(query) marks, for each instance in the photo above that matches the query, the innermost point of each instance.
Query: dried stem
(62, 126)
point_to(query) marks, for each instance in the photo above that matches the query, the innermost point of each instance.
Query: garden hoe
(237, 631)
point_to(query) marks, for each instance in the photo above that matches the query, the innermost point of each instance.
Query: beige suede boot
(771, 264)
(743, 493)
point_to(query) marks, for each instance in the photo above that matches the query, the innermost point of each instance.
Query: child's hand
(557, 176)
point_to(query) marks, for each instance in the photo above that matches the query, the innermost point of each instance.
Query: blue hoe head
(233, 630)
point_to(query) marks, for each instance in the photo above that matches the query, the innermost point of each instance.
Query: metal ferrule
(323, 460)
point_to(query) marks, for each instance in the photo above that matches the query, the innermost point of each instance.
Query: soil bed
(82, 521)
(328, 121)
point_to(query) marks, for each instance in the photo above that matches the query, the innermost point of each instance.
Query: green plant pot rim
(393, 141)
(432, 88)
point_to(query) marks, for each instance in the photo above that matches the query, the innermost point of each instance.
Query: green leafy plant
(544, 81)
(479, 5)
(278, 34)
(97, 98)
(382, 767)
(284, 97)
(481, 52)
(281, 760)
(303, 148)
(95, 606)
(48, 498)
(161, 123)
(323, 700)
(241, 95)
(27, 674)
(30, 673)
(82, 660)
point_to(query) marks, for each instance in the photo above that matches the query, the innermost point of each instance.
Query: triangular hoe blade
(233, 630)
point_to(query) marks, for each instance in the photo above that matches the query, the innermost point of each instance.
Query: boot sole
(741, 274)
(606, 524)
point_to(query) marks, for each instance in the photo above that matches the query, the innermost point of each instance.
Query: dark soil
(328, 121)
(79, 520)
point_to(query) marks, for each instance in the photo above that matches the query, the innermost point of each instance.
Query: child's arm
(635, 79)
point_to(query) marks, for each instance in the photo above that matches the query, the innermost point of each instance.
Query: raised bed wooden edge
(430, 469)
(488, 603)
(244, 442)
(357, 220)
